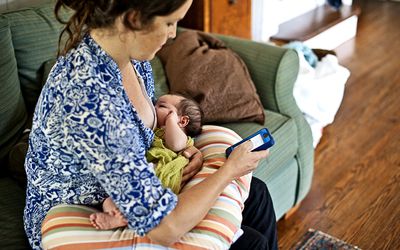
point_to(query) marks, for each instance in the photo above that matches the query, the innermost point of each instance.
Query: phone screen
(257, 141)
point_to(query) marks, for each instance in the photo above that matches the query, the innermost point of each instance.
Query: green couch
(28, 39)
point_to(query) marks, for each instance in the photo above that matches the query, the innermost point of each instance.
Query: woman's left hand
(195, 163)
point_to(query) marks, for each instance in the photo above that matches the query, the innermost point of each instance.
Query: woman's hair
(188, 106)
(91, 14)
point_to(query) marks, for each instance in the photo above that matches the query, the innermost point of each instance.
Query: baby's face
(165, 105)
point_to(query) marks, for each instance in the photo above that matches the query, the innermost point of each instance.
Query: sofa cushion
(282, 186)
(12, 108)
(284, 131)
(31, 49)
(200, 65)
(12, 202)
(160, 81)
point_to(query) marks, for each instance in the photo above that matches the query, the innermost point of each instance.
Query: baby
(178, 119)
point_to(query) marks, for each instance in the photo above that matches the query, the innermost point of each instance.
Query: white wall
(267, 15)
(6, 5)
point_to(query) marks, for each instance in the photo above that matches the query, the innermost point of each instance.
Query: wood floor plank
(355, 194)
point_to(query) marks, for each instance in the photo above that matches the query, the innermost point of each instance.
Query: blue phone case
(268, 141)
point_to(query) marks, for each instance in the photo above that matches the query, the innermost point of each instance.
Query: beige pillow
(200, 65)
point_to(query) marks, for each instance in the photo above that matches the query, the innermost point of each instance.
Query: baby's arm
(174, 136)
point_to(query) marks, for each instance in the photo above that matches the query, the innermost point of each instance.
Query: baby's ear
(183, 121)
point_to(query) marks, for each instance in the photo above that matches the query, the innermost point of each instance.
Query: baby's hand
(172, 117)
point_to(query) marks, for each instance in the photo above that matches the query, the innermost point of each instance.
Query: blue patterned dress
(87, 143)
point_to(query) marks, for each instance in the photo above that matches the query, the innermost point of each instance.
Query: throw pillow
(200, 65)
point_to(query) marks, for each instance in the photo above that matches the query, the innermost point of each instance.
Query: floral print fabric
(88, 142)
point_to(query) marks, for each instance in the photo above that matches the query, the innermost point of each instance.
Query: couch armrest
(274, 71)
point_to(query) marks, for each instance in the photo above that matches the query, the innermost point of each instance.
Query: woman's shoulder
(86, 65)
(79, 75)
(82, 57)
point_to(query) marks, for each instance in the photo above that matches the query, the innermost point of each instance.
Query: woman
(93, 123)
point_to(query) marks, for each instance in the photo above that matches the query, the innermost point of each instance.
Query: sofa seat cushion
(12, 107)
(284, 131)
(12, 202)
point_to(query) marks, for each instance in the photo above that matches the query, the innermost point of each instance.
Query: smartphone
(261, 140)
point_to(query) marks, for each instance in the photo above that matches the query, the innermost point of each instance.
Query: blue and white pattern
(88, 143)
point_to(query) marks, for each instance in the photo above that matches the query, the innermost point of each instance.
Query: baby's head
(188, 110)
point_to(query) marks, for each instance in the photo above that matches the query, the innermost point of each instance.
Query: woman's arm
(194, 203)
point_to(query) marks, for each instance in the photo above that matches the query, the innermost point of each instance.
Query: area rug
(317, 240)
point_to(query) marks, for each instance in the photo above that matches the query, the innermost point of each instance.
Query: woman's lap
(69, 225)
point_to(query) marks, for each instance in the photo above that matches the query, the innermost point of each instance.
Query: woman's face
(146, 43)
(166, 104)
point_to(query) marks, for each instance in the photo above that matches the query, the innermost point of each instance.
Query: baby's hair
(189, 107)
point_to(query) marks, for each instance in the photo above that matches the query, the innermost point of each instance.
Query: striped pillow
(68, 226)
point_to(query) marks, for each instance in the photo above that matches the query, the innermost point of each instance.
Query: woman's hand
(195, 163)
(242, 161)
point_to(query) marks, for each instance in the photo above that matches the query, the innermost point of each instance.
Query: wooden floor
(355, 194)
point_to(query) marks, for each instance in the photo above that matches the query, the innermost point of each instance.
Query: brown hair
(90, 14)
(188, 106)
